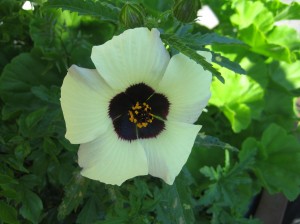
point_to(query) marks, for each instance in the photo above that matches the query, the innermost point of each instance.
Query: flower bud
(132, 15)
(186, 10)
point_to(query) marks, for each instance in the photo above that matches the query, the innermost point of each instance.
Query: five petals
(136, 56)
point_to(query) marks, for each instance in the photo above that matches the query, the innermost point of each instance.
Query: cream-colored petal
(84, 100)
(111, 160)
(169, 151)
(187, 86)
(135, 56)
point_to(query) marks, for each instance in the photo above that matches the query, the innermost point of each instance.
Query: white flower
(134, 114)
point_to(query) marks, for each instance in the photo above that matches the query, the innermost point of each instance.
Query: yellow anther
(137, 106)
(139, 114)
(131, 117)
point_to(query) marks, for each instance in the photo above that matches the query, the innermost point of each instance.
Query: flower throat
(138, 112)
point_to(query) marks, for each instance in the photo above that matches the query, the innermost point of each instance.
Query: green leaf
(8, 214)
(63, 38)
(40, 164)
(22, 151)
(286, 75)
(89, 212)
(176, 203)
(225, 204)
(197, 40)
(14, 163)
(210, 141)
(283, 115)
(239, 116)
(289, 42)
(157, 4)
(277, 163)
(49, 95)
(47, 30)
(50, 147)
(182, 47)
(252, 13)
(256, 28)
(225, 62)
(32, 206)
(67, 145)
(226, 180)
(291, 11)
(10, 193)
(253, 63)
(207, 151)
(241, 99)
(278, 49)
(30, 181)
(118, 220)
(34, 117)
(6, 179)
(20, 75)
(74, 194)
(102, 10)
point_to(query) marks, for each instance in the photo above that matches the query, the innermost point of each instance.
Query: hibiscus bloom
(133, 115)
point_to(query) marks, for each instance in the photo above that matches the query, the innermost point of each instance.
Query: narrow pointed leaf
(179, 45)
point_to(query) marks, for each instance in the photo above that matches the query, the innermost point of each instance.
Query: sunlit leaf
(256, 28)
(241, 100)
(290, 42)
(289, 12)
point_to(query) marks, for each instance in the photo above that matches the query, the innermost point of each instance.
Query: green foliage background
(256, 68)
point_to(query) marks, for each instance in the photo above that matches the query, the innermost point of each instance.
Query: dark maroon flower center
(138, 112)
